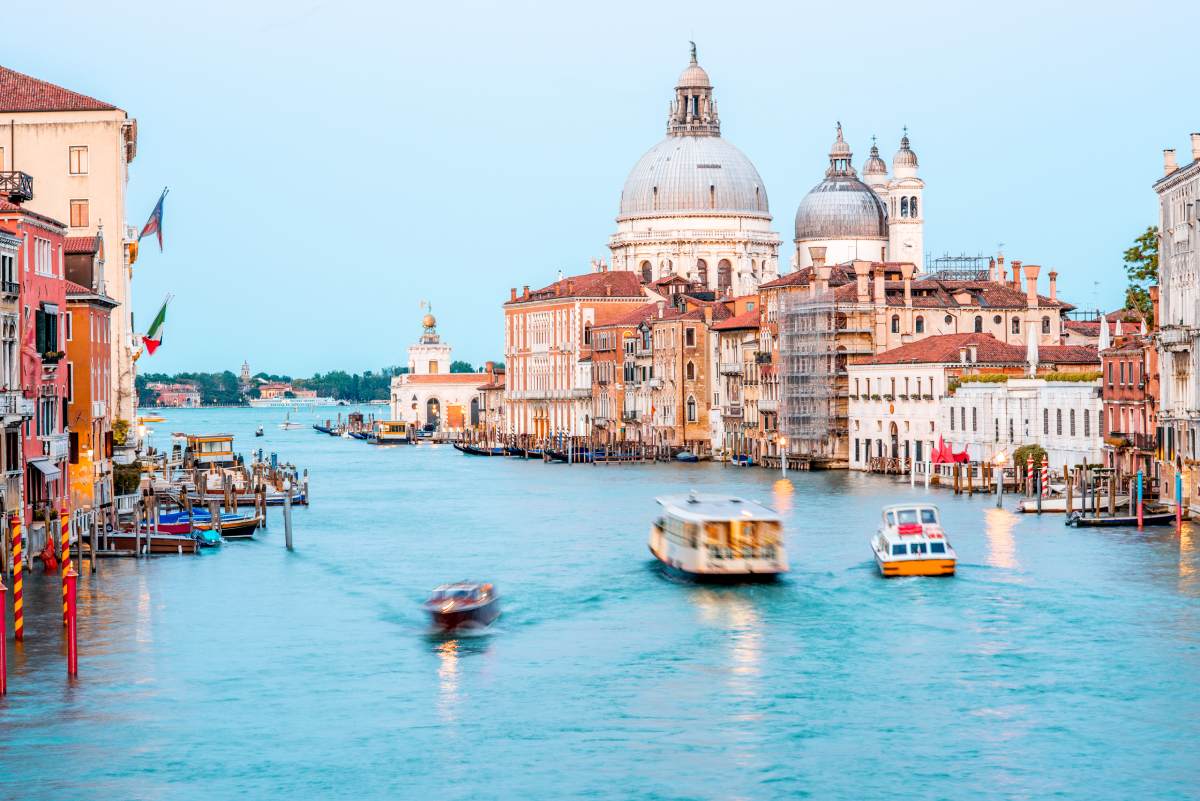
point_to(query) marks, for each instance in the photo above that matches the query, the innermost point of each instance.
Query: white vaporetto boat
(718, 538)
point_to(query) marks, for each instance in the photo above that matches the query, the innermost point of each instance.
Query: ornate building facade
(694, 205)
(431, 396)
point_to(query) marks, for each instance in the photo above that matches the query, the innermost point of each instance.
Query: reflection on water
(1002, 548)
(448, 699)
(783, 490)
(1187, 561)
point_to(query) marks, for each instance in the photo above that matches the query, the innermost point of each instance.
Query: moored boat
(476, 450)
(159, 542)
(1153, 514)
(391, 432)
(911, 542)
(686, 456)
(463, 605)
(1058, 503)
(718, 538)
(233, 525)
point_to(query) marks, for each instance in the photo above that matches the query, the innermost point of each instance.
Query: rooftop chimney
(999, 277)
(660, 309)
(823, 274)
(862, 269)
(1053, 285)
(906, 272)
(1016, 279)
(1153, 306)
(512, 294)
(525, 294)
(817, 255)
(1196, 147)
(1169, 165)
(1031, 277)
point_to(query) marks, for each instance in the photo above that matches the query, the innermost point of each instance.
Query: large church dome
(693, 171)
(694, 175)
(841, 206)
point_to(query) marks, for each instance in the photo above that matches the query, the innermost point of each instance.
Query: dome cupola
(875, 166)
(841, 207)
(905, 160)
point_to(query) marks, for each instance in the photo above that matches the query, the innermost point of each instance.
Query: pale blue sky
(333, 163)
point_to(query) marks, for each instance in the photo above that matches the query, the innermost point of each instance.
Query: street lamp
(783, 456)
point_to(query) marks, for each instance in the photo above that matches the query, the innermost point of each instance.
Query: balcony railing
(13, 403)
(733, 411)
(731, 368)
(581, 392)
(56, 446)
(16, 186)
(654, 383)
(768, 405)
(1138, 440)
(10, 288)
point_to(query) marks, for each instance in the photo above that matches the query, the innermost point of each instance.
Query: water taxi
(466, 604)
(204, 450)
(392, 432)
(911, 542)
(718, 538)
(151, 418)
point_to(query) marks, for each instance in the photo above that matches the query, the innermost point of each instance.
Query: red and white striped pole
(72, 632)
(1029, 474)
(18, 583)
(1045, 476)
(66, 555)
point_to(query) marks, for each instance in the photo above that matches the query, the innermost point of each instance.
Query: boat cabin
(725, 527)
(461, 593)
(211, 449)
(912, 530)
(393, 431)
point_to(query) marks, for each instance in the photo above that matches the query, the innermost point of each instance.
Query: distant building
(176, 395)
(244, 376)
(431, 396)
(1129, 375)
(491, 403)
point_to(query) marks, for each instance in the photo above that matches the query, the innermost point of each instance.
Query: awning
(47, 467)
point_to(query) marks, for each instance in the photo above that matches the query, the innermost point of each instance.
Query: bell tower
(906, 207)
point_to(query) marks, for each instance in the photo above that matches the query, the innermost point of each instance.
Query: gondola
(323, 429)
(523, 453)
(582, 455)
(474, 450)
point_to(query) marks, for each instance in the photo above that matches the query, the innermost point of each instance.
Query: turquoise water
(1059, 663)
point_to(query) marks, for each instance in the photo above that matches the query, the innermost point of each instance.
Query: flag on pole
(155, 223)
(153, 338)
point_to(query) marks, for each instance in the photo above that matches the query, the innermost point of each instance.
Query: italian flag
(153, 338)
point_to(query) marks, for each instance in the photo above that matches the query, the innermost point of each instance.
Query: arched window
(1016, 325)
(949, 320)
(998, 320)
(1045, 325)
(691, 409)
(647, 272)
(903, 207)
(895, 324)
(978, 325)
(655, 201)
(919, 324)
(474, 411)
(690, 372)
(587, 335)
(724, 275)
(702, 271)
(712, 196)
(912, 207)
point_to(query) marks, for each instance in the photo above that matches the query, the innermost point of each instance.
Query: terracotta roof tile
(611, 283)
(944, 348)
(20, 92)
(749, 319)
(74, 245)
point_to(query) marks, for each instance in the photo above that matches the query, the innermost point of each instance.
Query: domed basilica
(696, 207)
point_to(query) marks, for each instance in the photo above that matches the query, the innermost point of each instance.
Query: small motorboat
(463, 605)
(742, 460)
(686, 456)
(233, 525)
(258, 432)
(910, 542)
(206, 538)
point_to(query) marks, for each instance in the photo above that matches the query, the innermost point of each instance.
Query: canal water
(1059, 663)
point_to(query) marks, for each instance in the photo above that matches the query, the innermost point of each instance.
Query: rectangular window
(1072, 422)
(1122, 373)
(1058, 422)
(70, 382)
(937, 547)
(78, 156)
(1046, 422)
(899, 550)
(963, 418)
(951, 419)
(79, 214)
(974, 419)
(67, 322)
(1087, 424)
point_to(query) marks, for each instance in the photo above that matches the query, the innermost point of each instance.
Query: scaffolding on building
(809, 386)
(958, 268)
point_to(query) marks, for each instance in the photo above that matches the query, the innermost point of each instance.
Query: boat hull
(1059, 504)
(1148, 519)
(476, 617)
(735, 571)
(159, 543)
(916, 567)
(232, 529)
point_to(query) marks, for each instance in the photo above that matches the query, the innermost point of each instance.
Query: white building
(1179, 318)
(843, 219)
(694, 205)
(429, 394)
(902, 401)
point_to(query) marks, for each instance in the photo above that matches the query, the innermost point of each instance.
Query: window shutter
(108, 444)
(40, 330)
(73, 441)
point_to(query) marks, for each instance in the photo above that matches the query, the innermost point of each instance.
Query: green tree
(1141, 267)
(457, 366)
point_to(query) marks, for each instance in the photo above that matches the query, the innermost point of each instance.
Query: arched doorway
(474, 411)
(724, 275)
(895, 434)
(433, 414)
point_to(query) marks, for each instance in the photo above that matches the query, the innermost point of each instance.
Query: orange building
(547, 335)
(89, 395)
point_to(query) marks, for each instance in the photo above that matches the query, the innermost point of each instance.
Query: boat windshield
(924, 516)
(454, 594)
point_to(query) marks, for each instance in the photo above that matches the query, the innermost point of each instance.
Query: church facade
(429, 395)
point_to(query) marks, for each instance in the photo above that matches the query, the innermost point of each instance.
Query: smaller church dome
(875, 165)
(904, 157)
(841, 206)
